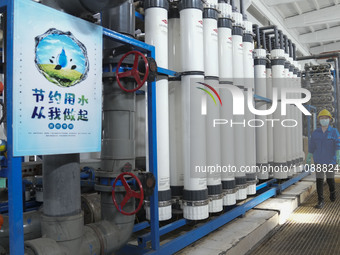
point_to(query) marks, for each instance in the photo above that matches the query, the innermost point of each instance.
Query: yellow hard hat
(2, 145)
(325, 112)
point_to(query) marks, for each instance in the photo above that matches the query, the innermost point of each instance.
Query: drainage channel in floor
(308, 230)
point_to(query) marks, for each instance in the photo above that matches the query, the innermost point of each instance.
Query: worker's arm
(311, 149)
(337, 147)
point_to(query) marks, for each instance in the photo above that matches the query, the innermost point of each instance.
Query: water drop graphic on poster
(61, 58)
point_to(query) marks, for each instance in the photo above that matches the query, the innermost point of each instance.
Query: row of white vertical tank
(212, 46)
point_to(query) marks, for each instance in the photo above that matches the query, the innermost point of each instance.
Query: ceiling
(314, 25)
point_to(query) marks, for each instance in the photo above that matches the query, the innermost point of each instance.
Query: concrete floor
(243, 234)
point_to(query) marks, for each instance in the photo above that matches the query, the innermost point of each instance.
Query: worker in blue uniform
(324, 147)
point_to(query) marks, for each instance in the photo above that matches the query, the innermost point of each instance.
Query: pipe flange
(164, 203)
(216, 197)
(230, 191)
(106, 174)
(160, 203)
(242, 186)
(277, 58)
(210, 6)
(196, 203)
(100, 237)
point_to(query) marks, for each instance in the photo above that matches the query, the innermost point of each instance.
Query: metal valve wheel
(134, 72)
(129, 193)
(1, 87)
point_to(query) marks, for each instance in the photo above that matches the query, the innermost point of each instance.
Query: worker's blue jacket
(324, 145)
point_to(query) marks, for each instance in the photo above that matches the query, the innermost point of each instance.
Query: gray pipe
(232, 3)
(32, 227)
(286, 46)
(62, 219)
(256, 30)
(61, 177)
(294, 51)
(329, 55)
(100, 238)
(282, 47)
(276, 35)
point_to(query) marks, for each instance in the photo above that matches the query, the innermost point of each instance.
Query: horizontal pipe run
(328, 55)
(115, 36)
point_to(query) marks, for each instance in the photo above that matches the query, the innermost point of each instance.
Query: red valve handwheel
(1, 87)
(133, 72)
(129, 193)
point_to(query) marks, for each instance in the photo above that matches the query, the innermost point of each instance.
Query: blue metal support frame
(141, 226)
(199, 232)
(194, 235)
(15, 195)
(260, 98)
(139, 16)
(291, 181)
(265, 184)
(142, 240)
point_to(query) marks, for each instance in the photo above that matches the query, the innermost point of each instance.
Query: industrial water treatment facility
(132, 127)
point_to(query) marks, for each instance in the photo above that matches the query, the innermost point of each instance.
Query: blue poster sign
(57, 83)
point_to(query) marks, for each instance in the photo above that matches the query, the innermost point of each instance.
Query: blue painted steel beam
(3, 5)
(142, 241)
(154, 216)
(290, 182)
(262, 98)
(166, 71)
(15, 204)
(131, 249)
(265, 184)
(128, 40)
(141, 226)
(196, 234)
(139, 16)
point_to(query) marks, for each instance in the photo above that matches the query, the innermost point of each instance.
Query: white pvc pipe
(300, 127)
(250, 143)
(156, 33)
(175, 107)
(291, 116)
(210, 34)
(193, 122)
(269, 92)
(288, 131)
(226, 75)
(192, 37)
(261, 132)
(239, 129)
(213, 138)
(279, 133)
(194, 144)
(295, 117)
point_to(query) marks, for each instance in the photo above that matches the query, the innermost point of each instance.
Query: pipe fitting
(43, 246)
